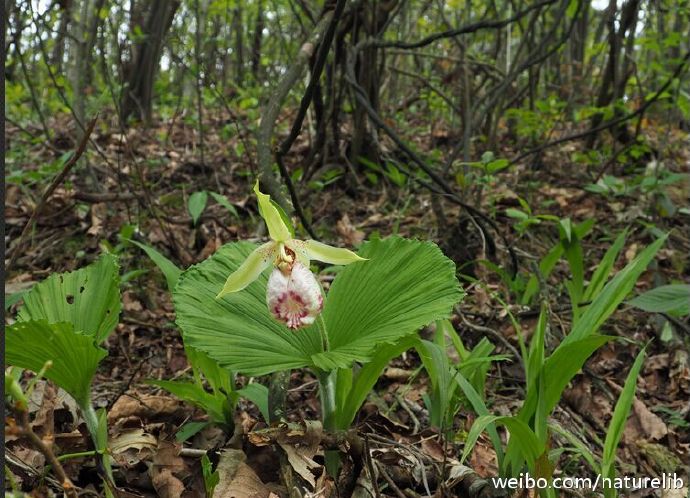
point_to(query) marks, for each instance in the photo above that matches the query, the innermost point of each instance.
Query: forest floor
(412, 458)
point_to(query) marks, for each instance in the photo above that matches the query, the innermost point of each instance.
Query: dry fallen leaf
(301, 454)
(130, 302)
(168, 470)
(683, 492)
(483, 460)
(433, 449)
(99, 212)
(146, 406)
(237, 479)
(653, 427)
(167, 485)
(133, 446)
(348, 233)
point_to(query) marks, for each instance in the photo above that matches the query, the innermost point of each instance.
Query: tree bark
(616, 75)
(238, 28)
(141, 73)
(257, 40)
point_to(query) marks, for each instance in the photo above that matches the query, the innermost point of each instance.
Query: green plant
(525, 218)
(548, 375)
(445, 399)
(578, 290)
(673, 299)
(196, 205)
(223, 201)
(570, 246)
(62, 323)
(653, 183)
(617, 424)
(390, 171)
(212, 388)
(211, 478)
(370, 315)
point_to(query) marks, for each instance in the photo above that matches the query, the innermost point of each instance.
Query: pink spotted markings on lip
(294, 296)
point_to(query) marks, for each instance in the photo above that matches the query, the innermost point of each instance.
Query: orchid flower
(293, 295)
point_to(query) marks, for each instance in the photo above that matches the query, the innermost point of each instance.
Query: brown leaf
(99, 212)
(130, 303)
(167, 485)
(301, 454)
(237, 479)
(682, 492)
(433, 449)
(44, 424)
(652, 425)
(398, 374)
(168, 456)
(133, 446)
(348, 233)
(483, 460)
(211, 246)
(147, 406)
(168, 470)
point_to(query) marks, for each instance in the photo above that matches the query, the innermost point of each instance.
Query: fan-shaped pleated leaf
(405, 285)
(75, 356)
(237, 330)
(88, 298)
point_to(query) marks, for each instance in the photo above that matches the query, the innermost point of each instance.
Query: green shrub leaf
(620, 415)
(237, 331)
(170, 271)
(88, 298)
(193, 393)
(673, 299)
(75, 356)
(405, 285)
(197, 204)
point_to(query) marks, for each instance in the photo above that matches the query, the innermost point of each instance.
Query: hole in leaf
(81, 289)
(70, 299)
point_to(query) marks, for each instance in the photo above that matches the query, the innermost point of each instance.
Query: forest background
(522, 137)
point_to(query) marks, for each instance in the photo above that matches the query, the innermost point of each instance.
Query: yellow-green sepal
(250, 269)
(328, 254)
(277, 227)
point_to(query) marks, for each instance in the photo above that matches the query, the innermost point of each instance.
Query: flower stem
(327, 388)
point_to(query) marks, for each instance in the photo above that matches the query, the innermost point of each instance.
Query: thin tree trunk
(258, 38)
(138, 96)
(614, 82)
(58, 55)
(238, 28)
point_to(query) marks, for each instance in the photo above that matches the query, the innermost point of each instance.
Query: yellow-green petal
(250, 269)
(277, 229)
(328, 254)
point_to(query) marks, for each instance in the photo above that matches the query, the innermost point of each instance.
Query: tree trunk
(371, 19)
(616, 75)
(58, 55)
(258, 38)
(238, 28)
(78, 54)
(141, 73)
